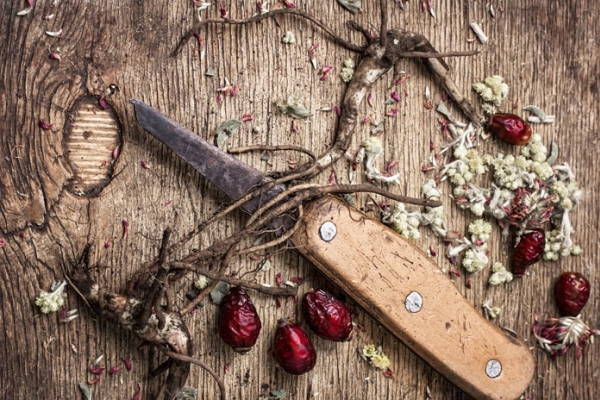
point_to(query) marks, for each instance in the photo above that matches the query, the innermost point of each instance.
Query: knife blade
(388, 276)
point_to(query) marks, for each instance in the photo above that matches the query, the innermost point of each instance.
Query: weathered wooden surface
(547, 52)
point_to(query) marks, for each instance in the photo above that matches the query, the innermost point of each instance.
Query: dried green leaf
(553, 153)
(350, 199)
(293, 107)
(538, 112)
(210, 71)
(186, 393)
(351, 5)
(297, 110)
(442, 109)
(279, 394)
(85, 389)
(378, 128)
(217, 294)
(225, 130)
(266, 157)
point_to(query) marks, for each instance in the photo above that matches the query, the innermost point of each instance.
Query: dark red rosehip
(293, 350)
(239, 323)
(510, 128)
(528, 251)
(572, 291)
(327, 316)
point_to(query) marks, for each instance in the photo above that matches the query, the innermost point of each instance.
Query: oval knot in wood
(93, 141)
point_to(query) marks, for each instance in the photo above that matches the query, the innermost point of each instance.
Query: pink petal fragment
(125, 229)
(102, 103)
(138, 394)
(127, 363)
(115, 369)
(96, 371)
(44, 125)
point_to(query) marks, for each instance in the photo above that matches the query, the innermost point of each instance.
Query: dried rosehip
(293, 350)
(239, 324)
(510, 128)
(529, 250)
(572, 291)
(327, 316)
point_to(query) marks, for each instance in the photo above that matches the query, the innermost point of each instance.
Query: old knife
(397, 284)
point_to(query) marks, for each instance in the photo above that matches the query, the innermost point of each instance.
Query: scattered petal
(127, 363)
(138, 394)
(102, 103)
(55, 34)
(96, 370)
(115, 369)
(125, 229)
(44, 125)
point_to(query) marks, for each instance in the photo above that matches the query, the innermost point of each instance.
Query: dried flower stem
(270, 290)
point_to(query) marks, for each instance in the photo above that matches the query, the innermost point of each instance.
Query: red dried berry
(293, 350)
(510, 128)
(529, 250)
(239, 323)
(572, 291)
(327, 316)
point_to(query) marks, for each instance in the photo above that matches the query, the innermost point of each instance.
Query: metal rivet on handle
(493, 368)
(414, 302)
(328, 231)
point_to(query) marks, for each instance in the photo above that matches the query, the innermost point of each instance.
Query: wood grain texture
(546, 50)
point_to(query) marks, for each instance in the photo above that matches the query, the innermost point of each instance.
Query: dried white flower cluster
(499, 275)
(492, 91)
(373, 149)
(475, 249)
(348, 70)
(407, 223)
(202, 282)
(53, 301)
(526, 191)
(289, 38)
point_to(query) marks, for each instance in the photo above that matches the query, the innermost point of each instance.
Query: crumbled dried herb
(225, 130)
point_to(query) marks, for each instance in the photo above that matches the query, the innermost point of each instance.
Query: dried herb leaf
(279, 394)
(266, 157)
(442, 109)
(538, 112)
(186, 393)
(378, 128)
(553, 153)
(85, 389)
(293, 107)
(297, 110)
(210, 71)
(226, 129)
(351, 5)
(217, 294)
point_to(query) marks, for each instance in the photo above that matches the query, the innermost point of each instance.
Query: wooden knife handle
(410, 295)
